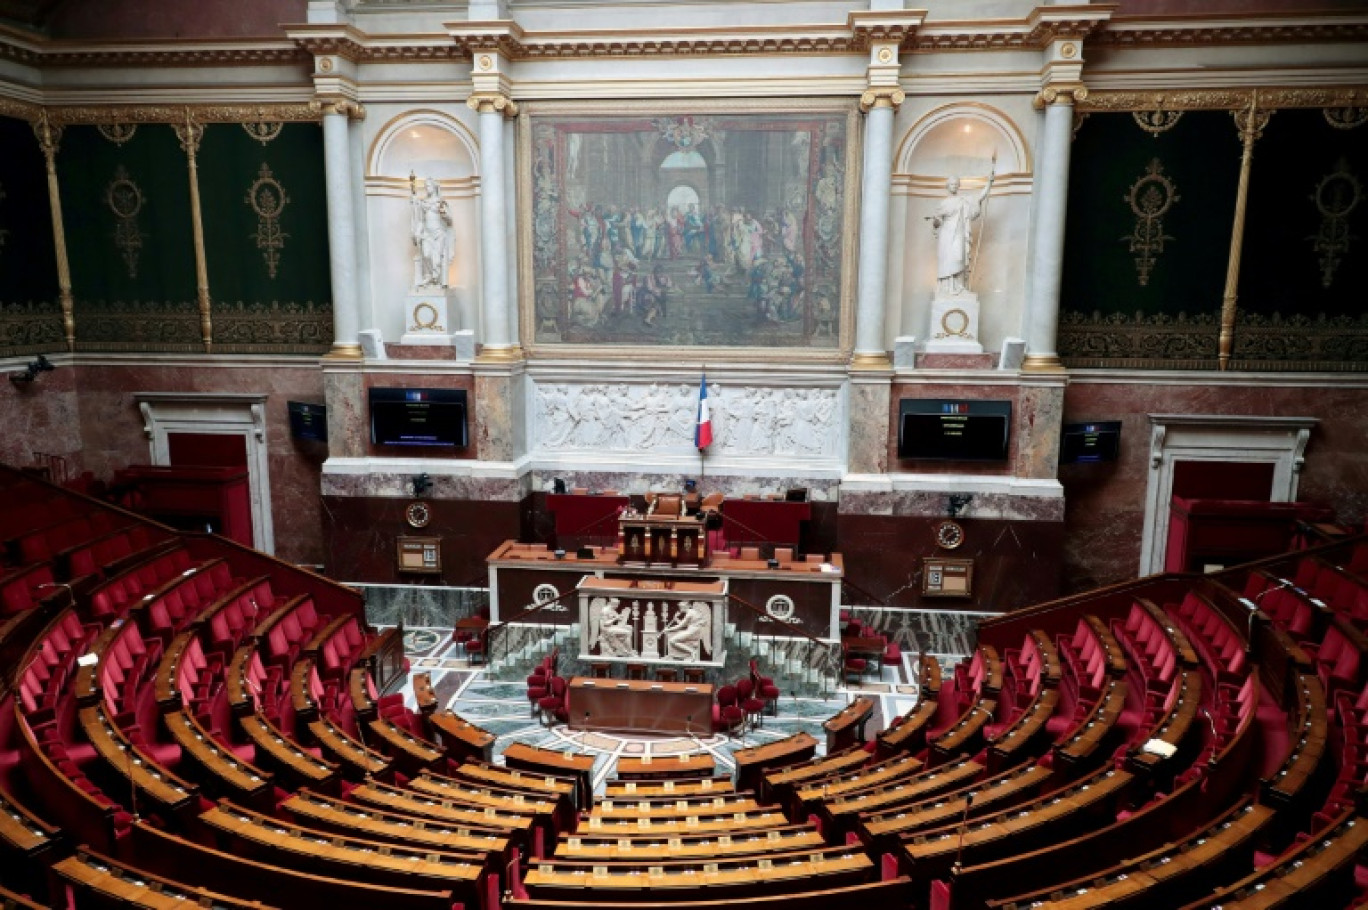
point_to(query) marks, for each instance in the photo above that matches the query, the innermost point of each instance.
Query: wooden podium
(663, 536)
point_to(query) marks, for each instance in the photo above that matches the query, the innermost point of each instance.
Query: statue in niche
(689, 632)
(953, 226)
(431, 228)
(610, 627)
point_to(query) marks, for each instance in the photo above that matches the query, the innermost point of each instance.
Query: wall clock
(418, 514)
(949, 534)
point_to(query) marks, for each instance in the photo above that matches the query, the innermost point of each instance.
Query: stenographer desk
(639, 706)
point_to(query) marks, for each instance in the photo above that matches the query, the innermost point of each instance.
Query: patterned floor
(502, 709)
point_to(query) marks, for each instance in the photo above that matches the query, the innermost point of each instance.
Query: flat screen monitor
(938, 429)
(1083, 442)
(308, 421)
(418, 417)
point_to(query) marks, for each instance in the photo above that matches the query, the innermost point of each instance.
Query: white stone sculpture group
(613, 630)
(431, 227)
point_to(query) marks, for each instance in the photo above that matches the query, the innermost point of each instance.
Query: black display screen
(418, 417)
(941, 430)
(308, 421)
(1100, 441)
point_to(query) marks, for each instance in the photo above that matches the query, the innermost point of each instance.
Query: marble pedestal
(427, 316)
(954, 325)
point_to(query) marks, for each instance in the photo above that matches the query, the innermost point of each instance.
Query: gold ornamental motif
(267, 198)
(117, 133)
(1337, 195)
(263, 131)
(125, 200)
(1345, 118)
(1156, 121)
(3, 232)
(1150, 197)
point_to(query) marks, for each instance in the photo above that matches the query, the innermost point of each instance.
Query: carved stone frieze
(1168, 34)
(660, 418)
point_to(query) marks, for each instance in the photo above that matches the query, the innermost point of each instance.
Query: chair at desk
(553, 706)
(635, 671)
(474, 649)
(727, 714)
(666, 674)
(752, 553)
(665, 505)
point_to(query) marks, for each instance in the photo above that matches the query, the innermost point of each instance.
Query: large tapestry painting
(691, 229)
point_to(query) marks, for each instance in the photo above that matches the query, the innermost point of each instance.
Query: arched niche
(428, 143)
(960, 140)
(422, 143)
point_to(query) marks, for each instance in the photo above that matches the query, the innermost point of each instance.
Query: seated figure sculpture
(689, 632)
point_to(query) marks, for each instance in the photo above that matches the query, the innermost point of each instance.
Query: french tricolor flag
(703, 432)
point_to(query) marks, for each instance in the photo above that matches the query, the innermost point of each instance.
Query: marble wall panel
(1034, 413)
(1016, 563)
(1106, 501)
(868, 452)
(43, 416)
(361, 533)
(442, 380)
(112, 437)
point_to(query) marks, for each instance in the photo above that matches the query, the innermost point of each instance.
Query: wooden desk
(764, 521)
(864, 648)
(88, 872)
(994, 794)
(166, 686)
(1172, 728)
(886, 773)
(909, 735)
(1116, 658)
(1083, 746)
(285, 754)
(690, 824)
(964, 731)
(245, 782)
(667, 789)
(664, 767)
(512, 779)
(393, 827)
(847, 727)
(411, 753)
(558, 764)
(424, 694)
(634, 809)
(843, 814)
(446, 788)
(512, 817)
(778, 785)
(1026, 736)
(599, 848)
(462, 739)
(752, 763)
(129, 762)
(1309, 732)
(582, 519)
(639, 705)
(353, 756)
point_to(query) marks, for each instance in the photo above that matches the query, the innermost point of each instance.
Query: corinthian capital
(492, 102)
(881, 96)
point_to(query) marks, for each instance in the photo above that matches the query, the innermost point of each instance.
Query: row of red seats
(45, 542)
(1084, 659)
(24, 587)
(1222, 648)
(44, 679)
(118, 593)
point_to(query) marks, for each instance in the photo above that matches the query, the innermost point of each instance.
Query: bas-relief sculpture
(689, 230)
(617, 629)
(660, 417)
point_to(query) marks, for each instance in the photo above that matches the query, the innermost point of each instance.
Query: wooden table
(847, 728)
(639, 706)
(462, 739)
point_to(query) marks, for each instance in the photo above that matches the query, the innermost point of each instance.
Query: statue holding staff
(953, 226)
(430, 224)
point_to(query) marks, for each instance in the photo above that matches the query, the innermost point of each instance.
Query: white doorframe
(1240, 438)
(227, 414)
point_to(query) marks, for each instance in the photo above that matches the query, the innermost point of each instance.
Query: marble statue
(953, 226)
(689, 631)
(432, 234)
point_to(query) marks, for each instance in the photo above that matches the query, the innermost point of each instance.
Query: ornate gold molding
(492, 102)
(49, 140)
(69, 115)
(182, 54)
(506, 353)
(881, 96)
(1105, 100)
(1068, 93)
(190, 133)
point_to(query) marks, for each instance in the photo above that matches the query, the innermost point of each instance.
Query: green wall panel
(126, 209)
(1147, 241)
(30, 316)
(266, 238)
(1305, 265)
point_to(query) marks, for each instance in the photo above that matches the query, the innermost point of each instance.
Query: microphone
(964, 821)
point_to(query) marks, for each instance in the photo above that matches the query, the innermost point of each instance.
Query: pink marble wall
(111, 433)
(1105, 503)
(39, 416)
(222, 19)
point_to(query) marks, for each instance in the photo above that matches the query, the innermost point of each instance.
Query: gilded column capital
(189, 134)
(492, 102)
(352, 110)
(49, 136)
(1067, 93)
(881, 96)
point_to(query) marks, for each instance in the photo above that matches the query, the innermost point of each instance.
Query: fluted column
(879, 105)
(497, 319)
(1250, 122)
(337, 176)
(1047, 227)
(190, 134)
